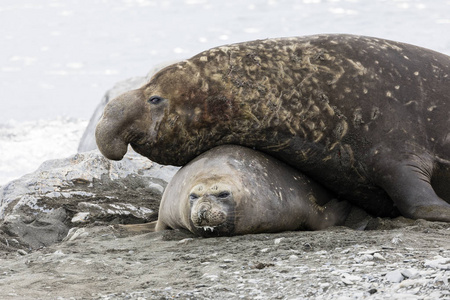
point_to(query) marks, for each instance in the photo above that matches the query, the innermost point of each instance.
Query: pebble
(378, 256)
(438, 263)
(156, 187)
(350, 279)
(22, 252)
(394, 276)
(293, 257)
(75, 233)
(58, 253)
(413, 282)
(278, 240)
(396, 240)
(185, 241)
(81, 217)
(409, 273)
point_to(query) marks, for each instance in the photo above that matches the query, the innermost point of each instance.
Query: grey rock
(394, 276)
(410, 273)
(442, 263)
(43, 230)
(40, 208)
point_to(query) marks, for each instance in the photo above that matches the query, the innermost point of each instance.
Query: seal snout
(207, 213)
(202, 212)
(114, 129)
(110, 146)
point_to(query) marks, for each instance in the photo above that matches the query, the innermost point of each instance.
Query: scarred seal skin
(233, 190)
(368, 118)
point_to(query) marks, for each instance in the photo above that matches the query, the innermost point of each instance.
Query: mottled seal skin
(233, 190)
(368, 118)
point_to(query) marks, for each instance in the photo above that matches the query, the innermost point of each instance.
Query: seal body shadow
(365, 117)
(233, 190)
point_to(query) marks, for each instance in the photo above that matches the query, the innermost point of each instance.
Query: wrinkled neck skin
(176, 137)
(195, 115)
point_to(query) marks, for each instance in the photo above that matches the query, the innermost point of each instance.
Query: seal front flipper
(408, 183)
(138, 228)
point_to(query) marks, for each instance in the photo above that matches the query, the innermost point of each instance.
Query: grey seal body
(368, 118)
(233, 190)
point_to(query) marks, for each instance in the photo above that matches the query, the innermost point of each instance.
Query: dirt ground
(391, 259)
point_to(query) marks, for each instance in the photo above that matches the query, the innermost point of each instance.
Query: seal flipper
(409, 185)
(138, 228)
(333, 213)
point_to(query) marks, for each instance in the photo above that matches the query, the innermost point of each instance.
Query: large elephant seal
(368, 118)
(233, 190)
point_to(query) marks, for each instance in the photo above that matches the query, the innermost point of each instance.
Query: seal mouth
(207, 228)
(137, 141)
(211, 223)
(224, 229)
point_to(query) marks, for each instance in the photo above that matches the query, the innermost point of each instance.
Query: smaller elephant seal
(233, 190)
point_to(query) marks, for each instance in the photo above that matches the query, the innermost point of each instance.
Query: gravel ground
(396, 259)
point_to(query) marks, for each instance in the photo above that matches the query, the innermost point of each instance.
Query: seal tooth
(206, 228)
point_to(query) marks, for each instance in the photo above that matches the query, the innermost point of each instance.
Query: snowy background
(58, 57)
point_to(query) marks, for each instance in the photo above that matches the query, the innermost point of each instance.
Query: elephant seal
(368, 118)
(233, 190)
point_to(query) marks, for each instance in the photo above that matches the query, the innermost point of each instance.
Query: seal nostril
(201, 214)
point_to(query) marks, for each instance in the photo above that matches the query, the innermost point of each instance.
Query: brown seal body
(367, 118)
(233, 190)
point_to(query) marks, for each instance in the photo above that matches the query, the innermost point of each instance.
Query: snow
(25, 145)
(58, 57)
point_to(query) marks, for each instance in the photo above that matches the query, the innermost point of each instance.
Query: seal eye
(193, 197)
(223, 195)
(155, 99)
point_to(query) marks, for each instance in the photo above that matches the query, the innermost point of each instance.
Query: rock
(293, 257)
(81, 217)
(439, 262)
(410, 273)
(44, 229)
(378, 256)
(349, 279)
(87, 142)
(277, 241)
(40, 208)
(394, 276)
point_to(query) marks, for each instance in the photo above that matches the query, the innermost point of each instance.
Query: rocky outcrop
(82, 190)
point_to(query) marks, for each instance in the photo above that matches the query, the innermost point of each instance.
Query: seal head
(178, 107)
(212, 208)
